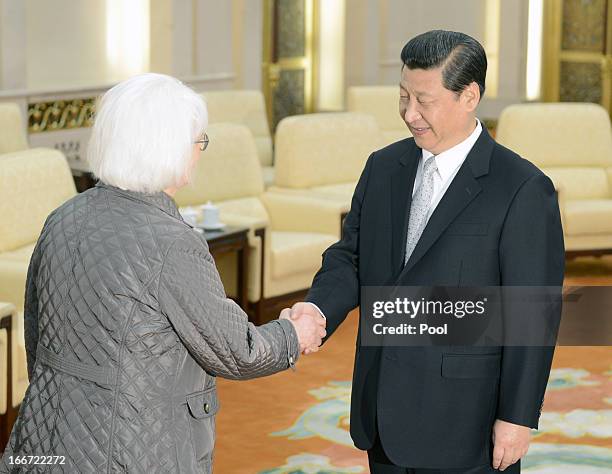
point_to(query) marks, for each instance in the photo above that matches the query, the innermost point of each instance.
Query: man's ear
(471, 96)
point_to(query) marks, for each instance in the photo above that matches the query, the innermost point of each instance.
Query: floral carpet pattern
(298, 422)
(575, 435)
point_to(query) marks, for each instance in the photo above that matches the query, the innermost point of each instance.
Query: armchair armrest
(6, 309)
(303, 214)
(252, 222)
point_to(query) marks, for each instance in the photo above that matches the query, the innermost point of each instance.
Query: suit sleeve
(531, 254)
(335, 288)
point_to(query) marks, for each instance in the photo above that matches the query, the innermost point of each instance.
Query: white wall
(216, 44)
(65, 43)
(378, 29)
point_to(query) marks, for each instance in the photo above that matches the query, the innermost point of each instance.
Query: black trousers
(380, 464)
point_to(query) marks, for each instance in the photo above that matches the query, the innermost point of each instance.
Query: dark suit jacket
(497, 224)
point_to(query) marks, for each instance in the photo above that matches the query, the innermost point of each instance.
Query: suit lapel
(402, 183)
(462, 190)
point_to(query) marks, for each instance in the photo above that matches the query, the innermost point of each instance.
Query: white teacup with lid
(210, 216)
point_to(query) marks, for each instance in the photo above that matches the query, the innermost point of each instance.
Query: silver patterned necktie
(419, 209)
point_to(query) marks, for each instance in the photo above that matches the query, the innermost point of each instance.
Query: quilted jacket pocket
(203, 404)
(202, 407)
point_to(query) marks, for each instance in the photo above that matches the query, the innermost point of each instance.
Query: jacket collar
(160, 200)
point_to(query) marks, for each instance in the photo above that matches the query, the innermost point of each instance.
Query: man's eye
(404, 97)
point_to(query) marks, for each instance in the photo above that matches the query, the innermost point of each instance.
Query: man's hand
(304, 313)
(510, 443)
(309, 325)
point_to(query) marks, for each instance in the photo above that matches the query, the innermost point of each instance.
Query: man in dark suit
(448, 207)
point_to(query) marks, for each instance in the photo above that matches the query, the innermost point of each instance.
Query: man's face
(438, 118)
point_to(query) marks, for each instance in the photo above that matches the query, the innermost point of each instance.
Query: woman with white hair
(126, 320)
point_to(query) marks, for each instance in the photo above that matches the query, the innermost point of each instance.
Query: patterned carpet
(297, 422)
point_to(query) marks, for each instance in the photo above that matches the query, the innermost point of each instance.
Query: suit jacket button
(206, 408)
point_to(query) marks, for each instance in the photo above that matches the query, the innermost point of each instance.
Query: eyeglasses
(203, 142)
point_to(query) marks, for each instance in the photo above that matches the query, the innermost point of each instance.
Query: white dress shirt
(448, 163)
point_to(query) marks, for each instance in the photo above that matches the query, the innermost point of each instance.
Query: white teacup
(190, 215)
(210, 215)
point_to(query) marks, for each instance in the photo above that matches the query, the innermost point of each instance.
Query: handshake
(309, 325)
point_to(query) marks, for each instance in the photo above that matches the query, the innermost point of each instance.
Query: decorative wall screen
(578, 51)
(288, 58)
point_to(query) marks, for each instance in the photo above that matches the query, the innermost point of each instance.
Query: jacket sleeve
(213, 328)
(335, 288)
(531, 254)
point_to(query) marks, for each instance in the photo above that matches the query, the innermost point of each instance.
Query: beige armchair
(321, 156)
(287, 234)
(572, 144)
(382, 102)
(245, 107)
(32, 184)
(12, 130)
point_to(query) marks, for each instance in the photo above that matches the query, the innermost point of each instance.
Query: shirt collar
(448, 161)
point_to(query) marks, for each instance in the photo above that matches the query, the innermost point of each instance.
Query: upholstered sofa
(321, 156)
(382, 102)
(287, 234)
(245, 107)
(32, 184)
(12, 129)
(572, 144)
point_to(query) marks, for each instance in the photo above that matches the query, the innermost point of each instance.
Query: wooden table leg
(243, 275)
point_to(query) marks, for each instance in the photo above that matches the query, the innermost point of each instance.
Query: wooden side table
(233, 239)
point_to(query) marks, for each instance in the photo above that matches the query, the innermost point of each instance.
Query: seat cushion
(297, 252)
(588, 216)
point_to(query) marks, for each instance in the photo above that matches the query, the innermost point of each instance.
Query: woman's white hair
(144, 132)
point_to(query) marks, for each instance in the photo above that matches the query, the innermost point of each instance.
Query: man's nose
(411, 114)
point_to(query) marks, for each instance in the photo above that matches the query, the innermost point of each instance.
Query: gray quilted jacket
(126, 326)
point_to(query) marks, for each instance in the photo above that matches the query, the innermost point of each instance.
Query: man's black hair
(463, 58)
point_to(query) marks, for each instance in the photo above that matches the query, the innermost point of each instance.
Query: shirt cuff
(318, 309)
